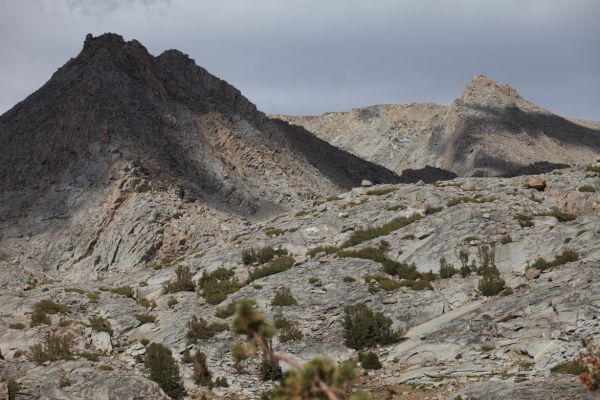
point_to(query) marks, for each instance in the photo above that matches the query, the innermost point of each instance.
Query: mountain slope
(122, 158)
(488, 130)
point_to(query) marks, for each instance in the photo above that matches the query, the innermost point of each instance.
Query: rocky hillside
(536, 244)
(123, 158)
(488, 131)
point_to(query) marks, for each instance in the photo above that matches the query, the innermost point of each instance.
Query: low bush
(172, 301)
(261, 256)
(217, 285)
(201, 374)
(322, 249)
(199, 329)
(468, 199)
(17, 325)
(221, 382)
(396, 207)
(348, 279)
(369, 360)
(145, 318)
(74, 290)
(229, 309)
(446, 270)
(381, 191)
(491, 283)
(362, 235)
(566, 257)
(525, 221)
(42, 308)
(284, 298)
(288, 330)
(574, 367)
(52, 348)
(126, 291)
(365, 328)
(593, 168)
(560, 215)
(100, 324)
(183, 281)
(163, 369)
(400, 269)
(432, 210)
(587, 189)
(276, 266)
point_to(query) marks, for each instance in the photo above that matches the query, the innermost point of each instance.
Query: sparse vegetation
(505, 239)
(284, 298)
(17, 325)
(348, 279)
(381, 191)
(229, 309)
(446, 270)
(362, 235)
(201, 374)
(365, 328)
(432, 210)
(322, 249)
(261, 256)
(593, 168)
(270, 231)
(560, 215)
(565, 257)
(288, 330)
(145, 318)
(587, 189)
(172, 301)
(52, 348)
(468, 199)
(491, 283)
(126, 291)
(100, 324)
(573, 367)
(525, 221)
(74, 290)
(276, 266)
(319, 378)
(44, 307)
(163, 369)
(217, 285)
(369, 360)
(183, 281)
(199, 329)
(396, 207)
(399, 269)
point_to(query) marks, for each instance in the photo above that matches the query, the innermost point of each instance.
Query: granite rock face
(122, 158)
(490, 130)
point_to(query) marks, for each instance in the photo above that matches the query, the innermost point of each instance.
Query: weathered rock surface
(488, 130)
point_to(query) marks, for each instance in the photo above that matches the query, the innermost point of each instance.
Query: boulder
(366, 183)
(537, 183)
(532, 273)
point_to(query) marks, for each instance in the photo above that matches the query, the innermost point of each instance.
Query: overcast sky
(312, 56)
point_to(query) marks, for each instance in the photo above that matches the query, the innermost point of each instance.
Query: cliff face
(489, 130)
(123, 157)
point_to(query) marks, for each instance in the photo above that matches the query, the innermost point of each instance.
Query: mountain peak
(485, 91)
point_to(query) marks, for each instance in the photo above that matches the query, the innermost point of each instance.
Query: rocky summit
(490, 130)
(162, 238)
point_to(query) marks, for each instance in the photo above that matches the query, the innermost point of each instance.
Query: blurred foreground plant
(319, 378)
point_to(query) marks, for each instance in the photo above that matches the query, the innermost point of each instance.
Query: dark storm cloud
(311, 56)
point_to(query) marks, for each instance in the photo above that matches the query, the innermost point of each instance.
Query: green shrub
(100, 324)
(319, 249)
(288, 330)
(42, 308)
(93, 297)
(229, 309)
(172, 301)
(468, 199)
(126, 291)
(146, 303)
(432, 210)
(560, 215)
(446, 270)
(271, 231)
(574, 367)
(276, 266)
(400, 269)
(74, 290)
(566, 257)
(217, 285)
(362, 235)
(491, 283)
(52, 348)
(314, 280)
(17, 325)
(365, 328)
(106, 367)
(201, 374)
(348, 279)
(145, 318)
(183, 281)
(524, 221)
(199, 329)
(587, 189)
(369, 360)
(13, 388)
(396, 207)
(261, 256)
(378, 282)
(381, 191)
(221, 382)
(593, 168)
(163, 369)
(284, 298)
(93, 357)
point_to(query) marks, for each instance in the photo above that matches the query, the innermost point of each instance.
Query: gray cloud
(310, 56)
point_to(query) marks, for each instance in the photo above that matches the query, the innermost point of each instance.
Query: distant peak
(486, 91)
